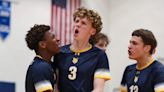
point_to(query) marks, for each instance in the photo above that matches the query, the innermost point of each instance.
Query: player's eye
(133, 42)
(83, 22)
(101, 45)
(52, 35)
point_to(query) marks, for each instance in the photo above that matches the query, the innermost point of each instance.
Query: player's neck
(78, 46)
(144, 62)
(45, 56)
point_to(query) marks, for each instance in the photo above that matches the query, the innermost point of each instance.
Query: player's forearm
(123, 89)
(98, 85)
(98, 89)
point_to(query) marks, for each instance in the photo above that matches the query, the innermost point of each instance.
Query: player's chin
(76, 38)
(131, 57)
(57, 49)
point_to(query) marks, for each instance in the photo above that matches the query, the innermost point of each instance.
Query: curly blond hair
(91, 15)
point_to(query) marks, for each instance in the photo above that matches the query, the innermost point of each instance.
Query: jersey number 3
(134, 88)
(72, 74)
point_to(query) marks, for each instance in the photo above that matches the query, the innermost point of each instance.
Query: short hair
(101, 36)
(91, 15)
(35, 35)
(147, 37)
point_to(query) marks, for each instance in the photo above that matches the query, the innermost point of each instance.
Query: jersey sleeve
(123, 86)
(102, 68)
(41, 78)
(159, 79)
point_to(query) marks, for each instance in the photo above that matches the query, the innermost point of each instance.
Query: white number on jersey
(134, 88)
(72, 74)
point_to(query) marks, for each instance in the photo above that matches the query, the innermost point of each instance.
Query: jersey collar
(145, 65)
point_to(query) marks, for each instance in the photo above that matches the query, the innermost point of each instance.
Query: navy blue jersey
(149, 79)
(78, 70)
(40, 76)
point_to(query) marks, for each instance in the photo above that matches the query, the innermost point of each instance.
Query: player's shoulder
(94, 48)
(157, 69)
(65, 49)
(131, 67)
(97, 50)
(39, 64)
(157, 66)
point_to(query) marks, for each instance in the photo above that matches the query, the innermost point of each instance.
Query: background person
(101, 41)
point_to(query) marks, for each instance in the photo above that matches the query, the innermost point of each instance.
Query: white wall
(120, 18)
(14, 54)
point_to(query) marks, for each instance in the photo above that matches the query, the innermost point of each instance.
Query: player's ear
(147, 48)
(42, 44)
(93, 31)
(154, 50)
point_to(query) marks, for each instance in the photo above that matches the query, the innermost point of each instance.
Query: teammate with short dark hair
(40, 74)
(147, 75)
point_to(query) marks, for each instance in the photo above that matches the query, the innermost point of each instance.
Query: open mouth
(76, 31)
(129, 52)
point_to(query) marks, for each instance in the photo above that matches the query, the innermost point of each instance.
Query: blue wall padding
(7, 87)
